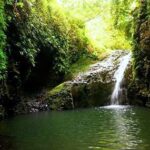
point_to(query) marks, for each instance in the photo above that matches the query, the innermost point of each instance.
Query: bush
(40, 35)
(3, 60)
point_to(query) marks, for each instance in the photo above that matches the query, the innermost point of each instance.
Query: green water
(97, 128)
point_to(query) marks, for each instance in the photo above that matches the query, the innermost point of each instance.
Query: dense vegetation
(45, 32)
(38, 41)
(43, 41)
(2, 41)
(141, 83)
(108, 24)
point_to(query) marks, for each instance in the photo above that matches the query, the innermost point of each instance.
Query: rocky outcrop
(31, 106)
(139, 90)
(89, 89)
(61, 97)
(92, 88)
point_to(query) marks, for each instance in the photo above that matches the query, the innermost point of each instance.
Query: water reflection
(104, 128)
(123, 130)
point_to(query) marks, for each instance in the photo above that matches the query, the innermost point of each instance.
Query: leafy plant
(3, 60)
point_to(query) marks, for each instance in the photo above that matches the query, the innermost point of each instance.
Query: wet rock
(31, 106)
(37, 106)
(91, 88)
(60, 98)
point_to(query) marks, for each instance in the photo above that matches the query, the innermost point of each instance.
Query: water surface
(104, 128)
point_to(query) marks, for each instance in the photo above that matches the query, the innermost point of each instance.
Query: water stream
(119, 76)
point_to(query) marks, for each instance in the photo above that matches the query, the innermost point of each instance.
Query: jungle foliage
(3, 59)
(43, 42)
(141, 54)
(45, 38)
(63, 29)
(37, 34)
(109, 24)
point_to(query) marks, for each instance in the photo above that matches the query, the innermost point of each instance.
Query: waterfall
(118, 76)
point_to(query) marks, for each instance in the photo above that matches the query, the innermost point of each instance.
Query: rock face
(139, 90)
(31, 103)
(61, 97)
(92, 88)
(31, 106)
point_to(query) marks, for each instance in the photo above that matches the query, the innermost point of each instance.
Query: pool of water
(104, 128)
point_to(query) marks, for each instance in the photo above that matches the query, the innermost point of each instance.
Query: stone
(88, 89)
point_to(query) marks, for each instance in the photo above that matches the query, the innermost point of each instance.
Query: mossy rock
(88, 89)
(93, 94)
(72, 95)
(57, 89)
(60, 98)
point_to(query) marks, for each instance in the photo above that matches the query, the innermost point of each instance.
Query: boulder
(88, 89)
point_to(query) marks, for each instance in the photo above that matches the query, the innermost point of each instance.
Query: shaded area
(42, 74)
(6, 143)
(139, 90)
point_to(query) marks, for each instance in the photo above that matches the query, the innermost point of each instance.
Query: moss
(84, 63)
(57, 89)
(56, 105)
(81, 65)
(141, 57)
(60, 98)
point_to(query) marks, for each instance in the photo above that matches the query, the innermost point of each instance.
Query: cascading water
(119, 75)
